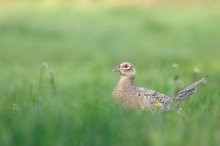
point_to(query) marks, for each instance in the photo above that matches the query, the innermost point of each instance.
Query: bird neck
(126, 82)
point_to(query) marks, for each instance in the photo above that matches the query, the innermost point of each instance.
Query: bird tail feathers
(185, 93)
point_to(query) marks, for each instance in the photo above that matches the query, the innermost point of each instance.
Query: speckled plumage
(128, 95)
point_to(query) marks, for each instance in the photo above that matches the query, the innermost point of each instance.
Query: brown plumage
(128, 95)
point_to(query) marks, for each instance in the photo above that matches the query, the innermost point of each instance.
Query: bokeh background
(56, 61)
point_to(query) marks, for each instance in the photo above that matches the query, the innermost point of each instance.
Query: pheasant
(128, 95)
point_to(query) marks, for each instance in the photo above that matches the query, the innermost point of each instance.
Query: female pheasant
(128, 95)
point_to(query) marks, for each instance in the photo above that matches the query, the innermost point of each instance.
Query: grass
(81, 46)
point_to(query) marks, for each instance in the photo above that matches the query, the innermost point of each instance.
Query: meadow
(56, 77)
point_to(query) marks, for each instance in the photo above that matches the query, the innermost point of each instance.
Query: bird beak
(116, 69)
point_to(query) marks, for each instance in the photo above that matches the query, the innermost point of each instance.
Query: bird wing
(155, 99)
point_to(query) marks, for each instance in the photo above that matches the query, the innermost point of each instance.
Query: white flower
(52, 74)
(44, 65)
(175, 65)
(196, 70)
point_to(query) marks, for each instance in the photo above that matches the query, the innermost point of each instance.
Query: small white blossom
(175, 65)
(44, 65)
(52, 74)
(196, 70)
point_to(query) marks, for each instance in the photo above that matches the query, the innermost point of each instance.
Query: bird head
(125, 69)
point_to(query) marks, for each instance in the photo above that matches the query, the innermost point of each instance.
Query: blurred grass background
(82, 44)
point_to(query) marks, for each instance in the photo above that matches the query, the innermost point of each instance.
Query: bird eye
(126, 66)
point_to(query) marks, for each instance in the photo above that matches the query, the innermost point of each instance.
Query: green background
(81, 45)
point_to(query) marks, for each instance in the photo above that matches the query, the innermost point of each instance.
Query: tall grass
(82, 45)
